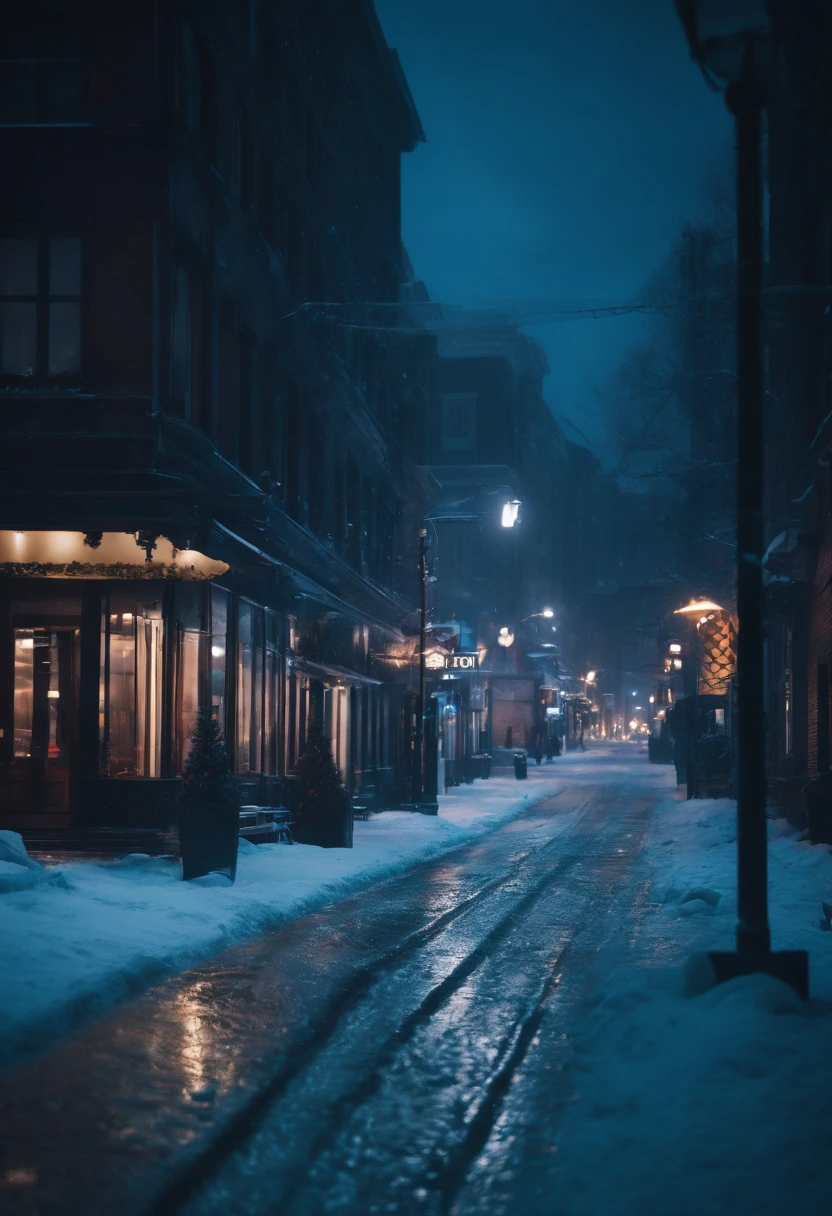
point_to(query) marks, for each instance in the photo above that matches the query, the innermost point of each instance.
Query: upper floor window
(47, 91)
(40, 306)
(459, 421)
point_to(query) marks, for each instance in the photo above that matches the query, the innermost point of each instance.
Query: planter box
(208, 838)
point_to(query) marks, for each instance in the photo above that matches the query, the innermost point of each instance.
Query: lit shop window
(249, 686)
(40, 307)
(219, 641)
(130, 687)
(271, 695)
(43, 666)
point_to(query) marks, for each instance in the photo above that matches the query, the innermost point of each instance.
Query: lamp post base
(427, 808)
(705, 971)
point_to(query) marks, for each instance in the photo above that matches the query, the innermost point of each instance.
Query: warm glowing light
(547, 612)
(634, 724)
(677, 663)
(590, 677)
(510, 513)
(652, 700)
(53, 694)
(217, 651)
(505, 637)
(696, 607)
(675, 648)
(126, 617)
(26, 643)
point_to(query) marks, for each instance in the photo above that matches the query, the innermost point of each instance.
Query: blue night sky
(567, 144)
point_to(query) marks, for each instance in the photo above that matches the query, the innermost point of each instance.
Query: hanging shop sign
(467, 660)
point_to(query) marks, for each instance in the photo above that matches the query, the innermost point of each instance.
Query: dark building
(798, 400)
(208, 494)
(512, 528)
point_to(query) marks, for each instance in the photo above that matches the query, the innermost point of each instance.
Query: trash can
(520, 769)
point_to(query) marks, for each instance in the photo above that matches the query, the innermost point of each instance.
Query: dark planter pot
(208, 837)
(328, 824)
(818, 797)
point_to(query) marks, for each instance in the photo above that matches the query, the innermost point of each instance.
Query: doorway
(46, 667)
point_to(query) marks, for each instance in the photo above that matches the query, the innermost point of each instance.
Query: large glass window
(219, 642)
(131, 687)
(249, 687)
(271, 701)
(40, 306)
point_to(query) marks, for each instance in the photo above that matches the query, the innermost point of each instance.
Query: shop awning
(333, 673)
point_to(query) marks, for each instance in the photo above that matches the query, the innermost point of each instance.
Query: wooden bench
(266, 824)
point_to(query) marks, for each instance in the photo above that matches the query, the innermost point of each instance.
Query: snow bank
(721, 1103)
(78, 938)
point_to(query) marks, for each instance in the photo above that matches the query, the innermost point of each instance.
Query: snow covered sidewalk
(79, 937)
(720, 1103)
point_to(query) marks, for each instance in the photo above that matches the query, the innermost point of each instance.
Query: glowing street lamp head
(590, 677)
(548, 613)
(510, 514)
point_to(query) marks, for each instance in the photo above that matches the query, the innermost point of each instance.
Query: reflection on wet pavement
(361, 1052)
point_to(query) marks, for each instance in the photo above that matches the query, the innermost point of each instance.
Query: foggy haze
(566, 146)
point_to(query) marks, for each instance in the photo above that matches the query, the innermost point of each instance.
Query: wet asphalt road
(402, 1051)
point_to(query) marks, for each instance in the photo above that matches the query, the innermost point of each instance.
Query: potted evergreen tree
(324, 812)
(209, 818)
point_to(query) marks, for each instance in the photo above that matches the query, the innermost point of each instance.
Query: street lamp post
(424, 775)
(732, 41)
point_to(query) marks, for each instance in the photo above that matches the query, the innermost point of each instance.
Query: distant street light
(548, 613)
(590, 677)
(511, 511)
(733, 42)
(505, 637)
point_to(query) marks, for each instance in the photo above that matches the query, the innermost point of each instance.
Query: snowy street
(389, 1023)
(499, 1029)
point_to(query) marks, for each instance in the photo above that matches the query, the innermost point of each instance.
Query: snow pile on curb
(78, 938)
(721, 1103)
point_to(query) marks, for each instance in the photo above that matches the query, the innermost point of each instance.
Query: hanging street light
(511, 513)
(733, 43)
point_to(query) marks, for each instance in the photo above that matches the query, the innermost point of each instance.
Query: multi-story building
(511, 528)
(208, 495)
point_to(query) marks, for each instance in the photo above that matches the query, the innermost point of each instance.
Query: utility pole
(420, 708)
(736, 44)
(745, 99)
(426, 725)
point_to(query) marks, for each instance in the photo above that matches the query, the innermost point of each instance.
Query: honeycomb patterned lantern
(717, 646)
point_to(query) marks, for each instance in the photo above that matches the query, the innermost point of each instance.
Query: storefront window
(131, 687)
(249, 686)
(24, 684)
(189, 700)
(271, 706)
(44, 661)
(219, 641)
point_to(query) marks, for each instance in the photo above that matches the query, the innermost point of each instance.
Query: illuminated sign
(466, 661)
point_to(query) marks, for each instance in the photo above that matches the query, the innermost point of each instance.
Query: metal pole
(746, 100)
(420, 711)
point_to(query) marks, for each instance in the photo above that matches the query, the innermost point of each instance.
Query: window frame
(40, 65)
(43, 299)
